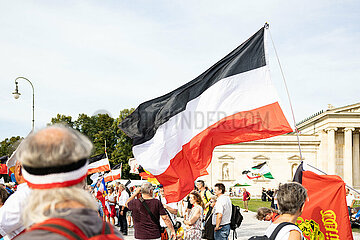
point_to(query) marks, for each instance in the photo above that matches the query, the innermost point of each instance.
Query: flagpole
(287, 91)
(109, 162)
(328, 174)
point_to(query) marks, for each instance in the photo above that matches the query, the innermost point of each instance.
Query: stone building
(329, 140)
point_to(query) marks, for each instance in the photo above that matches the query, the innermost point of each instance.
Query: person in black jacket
(208, 232)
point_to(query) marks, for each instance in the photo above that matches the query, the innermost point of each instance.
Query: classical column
(348, 154)
(356, 159)
(331, 151)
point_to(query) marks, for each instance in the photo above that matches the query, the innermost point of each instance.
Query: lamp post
(17, 95)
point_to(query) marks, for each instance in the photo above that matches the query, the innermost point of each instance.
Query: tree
(123, 148)
(67, 120)
(9, 145)
(100, 128)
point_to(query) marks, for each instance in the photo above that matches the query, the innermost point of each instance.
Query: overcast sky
(84, 56)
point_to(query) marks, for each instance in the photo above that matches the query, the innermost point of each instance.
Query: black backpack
(236, 219)
(274, 233)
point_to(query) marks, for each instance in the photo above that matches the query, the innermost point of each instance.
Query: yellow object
(180, 233)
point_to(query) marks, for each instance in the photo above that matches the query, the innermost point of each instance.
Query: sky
(104, 56)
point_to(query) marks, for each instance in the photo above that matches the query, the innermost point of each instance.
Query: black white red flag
(233, 101)
(98, 163)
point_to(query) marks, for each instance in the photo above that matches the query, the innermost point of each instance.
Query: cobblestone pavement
(249, 227)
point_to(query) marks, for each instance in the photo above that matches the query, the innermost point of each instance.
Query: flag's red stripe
(3, 169)
(99, 169)
(252, 177)
(195, 156)
(112, 177)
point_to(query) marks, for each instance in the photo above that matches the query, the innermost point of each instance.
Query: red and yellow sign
(325, 215)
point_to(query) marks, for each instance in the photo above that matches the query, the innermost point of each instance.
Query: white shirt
(284, 232)
(223, 206)
(111, 198)
(349, 199)
(11, 213)
(123, 198)
(173, 205)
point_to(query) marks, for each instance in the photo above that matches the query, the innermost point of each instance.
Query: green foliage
(254, 204)
(9, 145)
(103, 128)
(67, 120)
(99, 129)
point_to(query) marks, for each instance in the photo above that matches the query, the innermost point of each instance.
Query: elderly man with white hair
(54, 162)
(146, 213)
(11, 222)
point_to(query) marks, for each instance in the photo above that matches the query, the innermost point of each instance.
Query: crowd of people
(52, 200)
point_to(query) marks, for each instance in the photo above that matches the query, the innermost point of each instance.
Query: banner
(325, 215)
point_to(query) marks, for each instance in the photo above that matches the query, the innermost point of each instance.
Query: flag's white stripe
(264, 169)
(99, 163)
(55, 177)
(241, 92)
(113, 173)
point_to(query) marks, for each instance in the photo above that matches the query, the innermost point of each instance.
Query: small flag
(234, 101)
(114, 174)
(134, 166)
(147, 176)
(261, 170)
(3, 167)
(325, 214)
(98, 163)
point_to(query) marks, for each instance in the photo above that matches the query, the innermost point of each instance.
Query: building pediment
(261, 158)
(226, 157)
(349, 110)
(294, 158)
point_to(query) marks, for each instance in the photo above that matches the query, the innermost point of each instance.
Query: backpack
(69, 230)
(236, 219)
(274, 233)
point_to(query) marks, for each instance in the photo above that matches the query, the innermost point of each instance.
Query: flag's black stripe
(142, 124)
(259, 165)
(3, 159)
(39, 171)
(299, 173)
(97, 158)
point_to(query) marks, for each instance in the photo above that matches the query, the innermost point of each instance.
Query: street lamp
(17, 95)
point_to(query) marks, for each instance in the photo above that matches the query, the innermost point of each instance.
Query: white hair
(41, 204)
(54, 146)
(146, 188)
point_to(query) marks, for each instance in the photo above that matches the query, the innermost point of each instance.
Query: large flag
(3, 167)
(233, 101)
(260, 170)
(325, 215)
(114, 173)
(98, 163)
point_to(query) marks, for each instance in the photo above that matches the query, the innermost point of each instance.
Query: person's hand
(121, 212)
(138, 190)
(217, 228)
(173, 235)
